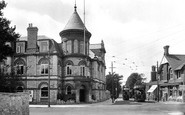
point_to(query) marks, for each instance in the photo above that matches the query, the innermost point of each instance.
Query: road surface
(120, 107)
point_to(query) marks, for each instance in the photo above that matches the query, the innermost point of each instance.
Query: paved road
(120, 107)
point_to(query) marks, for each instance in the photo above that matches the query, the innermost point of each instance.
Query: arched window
(68, 90)
(81, 47)
(69, 65)
(82, 65)
(19, 89)
(44, 65)
(20, 66)
(82, 70)
(75, 46)
(64, 46)
(69, 46)
(44, 91)
(68, 69)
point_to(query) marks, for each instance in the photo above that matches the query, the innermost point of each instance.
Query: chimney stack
(153, 73)
(166, 50)
(32, 38)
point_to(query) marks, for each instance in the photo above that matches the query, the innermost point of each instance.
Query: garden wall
(14, 103)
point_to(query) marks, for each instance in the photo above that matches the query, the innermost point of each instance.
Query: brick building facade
(64, 68)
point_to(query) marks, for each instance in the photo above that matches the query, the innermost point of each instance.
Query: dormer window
(20, 47)
(44, 46)
(178, 74)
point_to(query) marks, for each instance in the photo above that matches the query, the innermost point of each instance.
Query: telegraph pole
(112, 94)
(84, 29)
(157, 83)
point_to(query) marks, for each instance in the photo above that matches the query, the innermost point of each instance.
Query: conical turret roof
(75, 22)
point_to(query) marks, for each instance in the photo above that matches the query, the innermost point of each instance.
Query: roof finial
(75, 6)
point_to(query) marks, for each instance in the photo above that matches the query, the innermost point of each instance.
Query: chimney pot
(166, 50)
(30, 25)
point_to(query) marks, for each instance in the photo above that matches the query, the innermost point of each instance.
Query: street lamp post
(49, 79)
(112, 81)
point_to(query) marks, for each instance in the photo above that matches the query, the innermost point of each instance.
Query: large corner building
(73, 67)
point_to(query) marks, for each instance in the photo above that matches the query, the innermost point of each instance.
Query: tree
(113, 83)
(8, 81)
(135, 79)
(7, 35)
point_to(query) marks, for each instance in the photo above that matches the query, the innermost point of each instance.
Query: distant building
(170, 77)
(72, 71)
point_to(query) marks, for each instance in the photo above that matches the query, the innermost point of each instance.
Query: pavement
(109, 101)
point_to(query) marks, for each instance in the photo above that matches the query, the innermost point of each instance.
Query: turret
(73, 36)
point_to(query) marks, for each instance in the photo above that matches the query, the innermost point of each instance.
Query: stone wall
(14, 103)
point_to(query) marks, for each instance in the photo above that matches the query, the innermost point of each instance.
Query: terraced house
(74, 68)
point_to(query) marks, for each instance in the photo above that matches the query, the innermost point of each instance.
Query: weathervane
(75, 6)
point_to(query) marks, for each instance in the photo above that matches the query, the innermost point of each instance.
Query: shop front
(170, 92)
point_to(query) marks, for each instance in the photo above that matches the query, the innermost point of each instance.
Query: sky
(134, 31)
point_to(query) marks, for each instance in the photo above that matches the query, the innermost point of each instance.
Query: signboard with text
(30, 95)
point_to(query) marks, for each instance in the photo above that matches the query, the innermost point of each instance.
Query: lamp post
(49, 79)
(112, 67)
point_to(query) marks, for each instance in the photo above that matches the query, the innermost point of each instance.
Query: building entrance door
(82, 94)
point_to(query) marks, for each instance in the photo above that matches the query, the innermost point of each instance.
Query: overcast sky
(134, 31)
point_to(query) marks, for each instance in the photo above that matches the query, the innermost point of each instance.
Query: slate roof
(56, 46)
(176, 61)
(75, 23)
(39, 37)
(97, 49)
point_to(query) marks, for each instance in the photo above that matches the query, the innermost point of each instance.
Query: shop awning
(152, 88)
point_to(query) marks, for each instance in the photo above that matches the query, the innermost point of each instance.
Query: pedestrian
(112, 97)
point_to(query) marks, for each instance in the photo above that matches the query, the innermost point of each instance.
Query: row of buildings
(49, 69)
(167, 80)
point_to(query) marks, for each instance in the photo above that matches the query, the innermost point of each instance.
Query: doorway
(82, 93)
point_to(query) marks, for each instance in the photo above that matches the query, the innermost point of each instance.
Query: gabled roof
(176, 61)
(96, 49)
